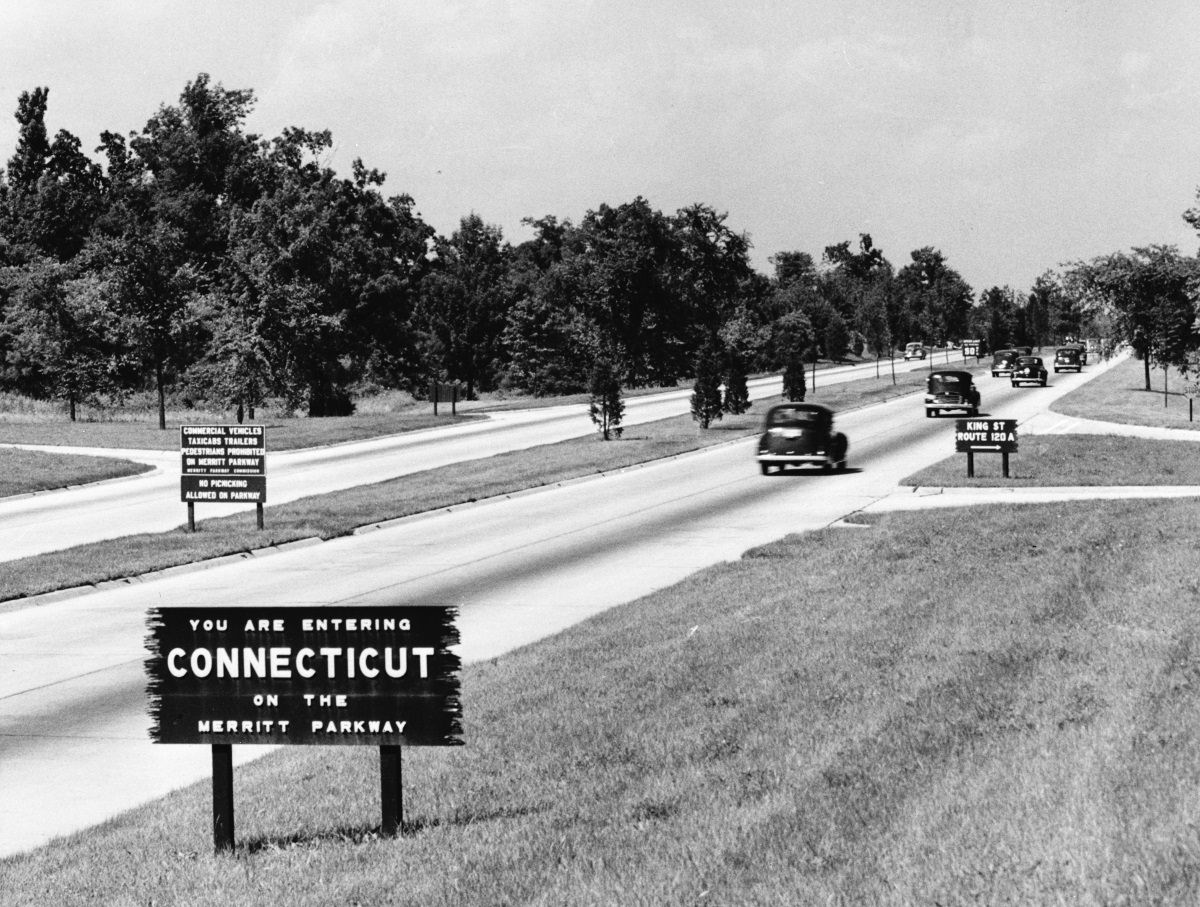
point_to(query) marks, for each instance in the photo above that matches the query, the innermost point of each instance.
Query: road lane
(72, 722)
(150, 503)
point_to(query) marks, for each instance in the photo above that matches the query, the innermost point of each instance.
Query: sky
(1014, 137)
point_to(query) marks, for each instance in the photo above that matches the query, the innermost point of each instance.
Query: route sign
(972, 436)
(986, 435)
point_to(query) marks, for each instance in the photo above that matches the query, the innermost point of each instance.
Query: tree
(53, 191)
(935, 298)
(737, 393)
(836, 338)
(706, 392)
(462, 309)
(153, 286)
(605, 406)
(1148, 293)
(793, 338)
(62, 341)
(994, 319)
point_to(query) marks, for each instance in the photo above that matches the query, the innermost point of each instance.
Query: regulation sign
(991, 435)
(223, 463)
(304, 675)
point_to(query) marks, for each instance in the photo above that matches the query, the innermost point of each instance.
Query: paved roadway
(150, 503)
(73, 743)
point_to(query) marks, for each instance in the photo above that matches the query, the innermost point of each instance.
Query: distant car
(951, 390)
(1023, 350)
(1003, 362)
(795, 434)
(915, 351)
(1029, 370)
(1068, 358)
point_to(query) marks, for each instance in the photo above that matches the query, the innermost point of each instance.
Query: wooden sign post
(223, 464)
(440, 392)
(378, 676)
(973, 436)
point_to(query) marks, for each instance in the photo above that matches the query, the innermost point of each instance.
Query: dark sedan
(1029, 370)
(1003, 361)
(951, 390)
(795, 434)
(1068, 358)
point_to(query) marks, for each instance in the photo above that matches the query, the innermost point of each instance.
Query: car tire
(766, 470)
(841, 465)
(973, 412)
(1043, 382)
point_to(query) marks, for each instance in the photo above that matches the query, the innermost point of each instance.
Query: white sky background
(1012, 136)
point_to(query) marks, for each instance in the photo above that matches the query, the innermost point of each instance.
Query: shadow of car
(798, 434)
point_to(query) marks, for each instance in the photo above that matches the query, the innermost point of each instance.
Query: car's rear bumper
(948, 405)
(792, 458)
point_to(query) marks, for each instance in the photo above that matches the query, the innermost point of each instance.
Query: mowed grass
(1120, 395)
(995, 705)
(24, 471)
(1043, 460)
(282, 434)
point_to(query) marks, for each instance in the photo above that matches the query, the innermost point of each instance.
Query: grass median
(26, 471)
(993, 705)
(1044, 460)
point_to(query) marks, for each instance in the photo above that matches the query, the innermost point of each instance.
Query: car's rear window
(794, 417)
(946, 384)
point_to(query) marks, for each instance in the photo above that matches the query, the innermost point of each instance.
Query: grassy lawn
(1120, 395)
(23, 471)
(852, 716)
(1073, 460)
(282, 434)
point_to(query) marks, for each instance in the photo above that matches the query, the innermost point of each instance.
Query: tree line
(194, 259)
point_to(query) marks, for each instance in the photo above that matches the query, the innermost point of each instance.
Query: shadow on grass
(363, 834)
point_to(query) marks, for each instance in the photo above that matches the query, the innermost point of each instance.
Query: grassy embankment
(339, 513)
(986, 706)
(25, 471)
(1120, 395)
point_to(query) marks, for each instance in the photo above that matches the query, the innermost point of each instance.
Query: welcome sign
(304, 675)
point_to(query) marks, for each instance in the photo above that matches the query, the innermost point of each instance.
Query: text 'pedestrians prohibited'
(223, 464)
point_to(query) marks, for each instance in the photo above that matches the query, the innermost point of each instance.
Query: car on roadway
(797, 434)
(915, 351)
(1068, 358)
(1003, 362)
(951, 389)
(1029, 370)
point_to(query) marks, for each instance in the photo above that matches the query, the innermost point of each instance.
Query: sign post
(378, 676)
(444, 393)
(223, 464)
(973, 436)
